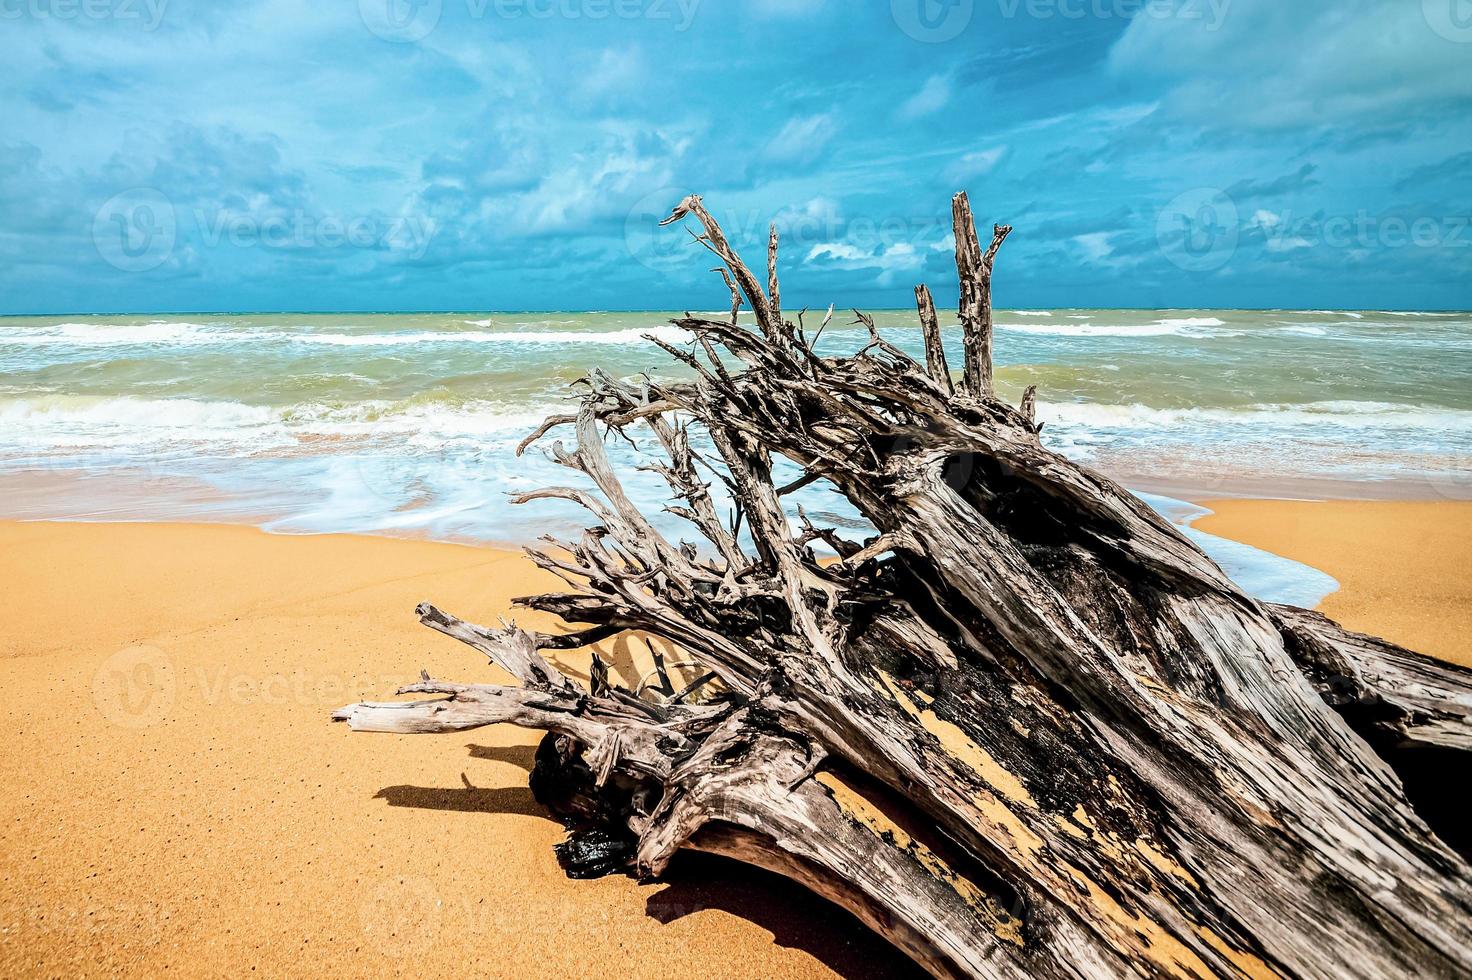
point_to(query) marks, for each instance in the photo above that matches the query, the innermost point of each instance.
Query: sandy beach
(1404, 567)
(178, 801)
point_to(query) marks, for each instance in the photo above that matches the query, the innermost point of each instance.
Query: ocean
(406, 424)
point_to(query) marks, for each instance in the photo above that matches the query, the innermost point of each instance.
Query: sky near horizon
(201, 155)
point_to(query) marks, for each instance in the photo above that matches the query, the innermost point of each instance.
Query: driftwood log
(1026, 730)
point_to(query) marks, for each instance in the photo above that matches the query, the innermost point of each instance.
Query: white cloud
(617, 70)
(818, 215)
(1277, 235)
(1271, 63)
(973, 165)
(1284, 243)
(888, 259)
(802, 139)
(931, 98)
(1095, 245)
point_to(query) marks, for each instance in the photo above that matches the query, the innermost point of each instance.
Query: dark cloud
(1250, 190)
(1457, 167)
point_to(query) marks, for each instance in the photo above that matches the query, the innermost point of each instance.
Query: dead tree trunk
(1027, 730)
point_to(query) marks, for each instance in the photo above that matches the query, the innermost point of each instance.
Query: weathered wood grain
(1025, 730)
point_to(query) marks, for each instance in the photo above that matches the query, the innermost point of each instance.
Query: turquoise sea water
(405, 423)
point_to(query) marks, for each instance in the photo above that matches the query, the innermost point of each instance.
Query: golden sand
(176, 800)
(1404, 567)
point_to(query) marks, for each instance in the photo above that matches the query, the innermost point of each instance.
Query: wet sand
(1404, 567)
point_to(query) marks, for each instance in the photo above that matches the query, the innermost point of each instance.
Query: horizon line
(744, 312)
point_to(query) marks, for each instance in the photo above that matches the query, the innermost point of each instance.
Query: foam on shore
(1261, 574)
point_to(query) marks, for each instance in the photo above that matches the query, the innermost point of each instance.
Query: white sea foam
(1267, 576)
(1194, 321)
(145, 413)
(62, 421)
(1314, 415)
(1194, 327)
(106, 334)
(1088, 330)
(668, 334)
(228, 426)
(188, 334)
(385, 421)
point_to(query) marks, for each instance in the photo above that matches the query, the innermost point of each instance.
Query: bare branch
(716, 238)
(935, 352)
(975, 272)
(774, 291)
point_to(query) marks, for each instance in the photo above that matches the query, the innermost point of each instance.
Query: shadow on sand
(695, 882)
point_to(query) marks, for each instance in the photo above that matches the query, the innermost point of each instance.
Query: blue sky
(173, 155)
